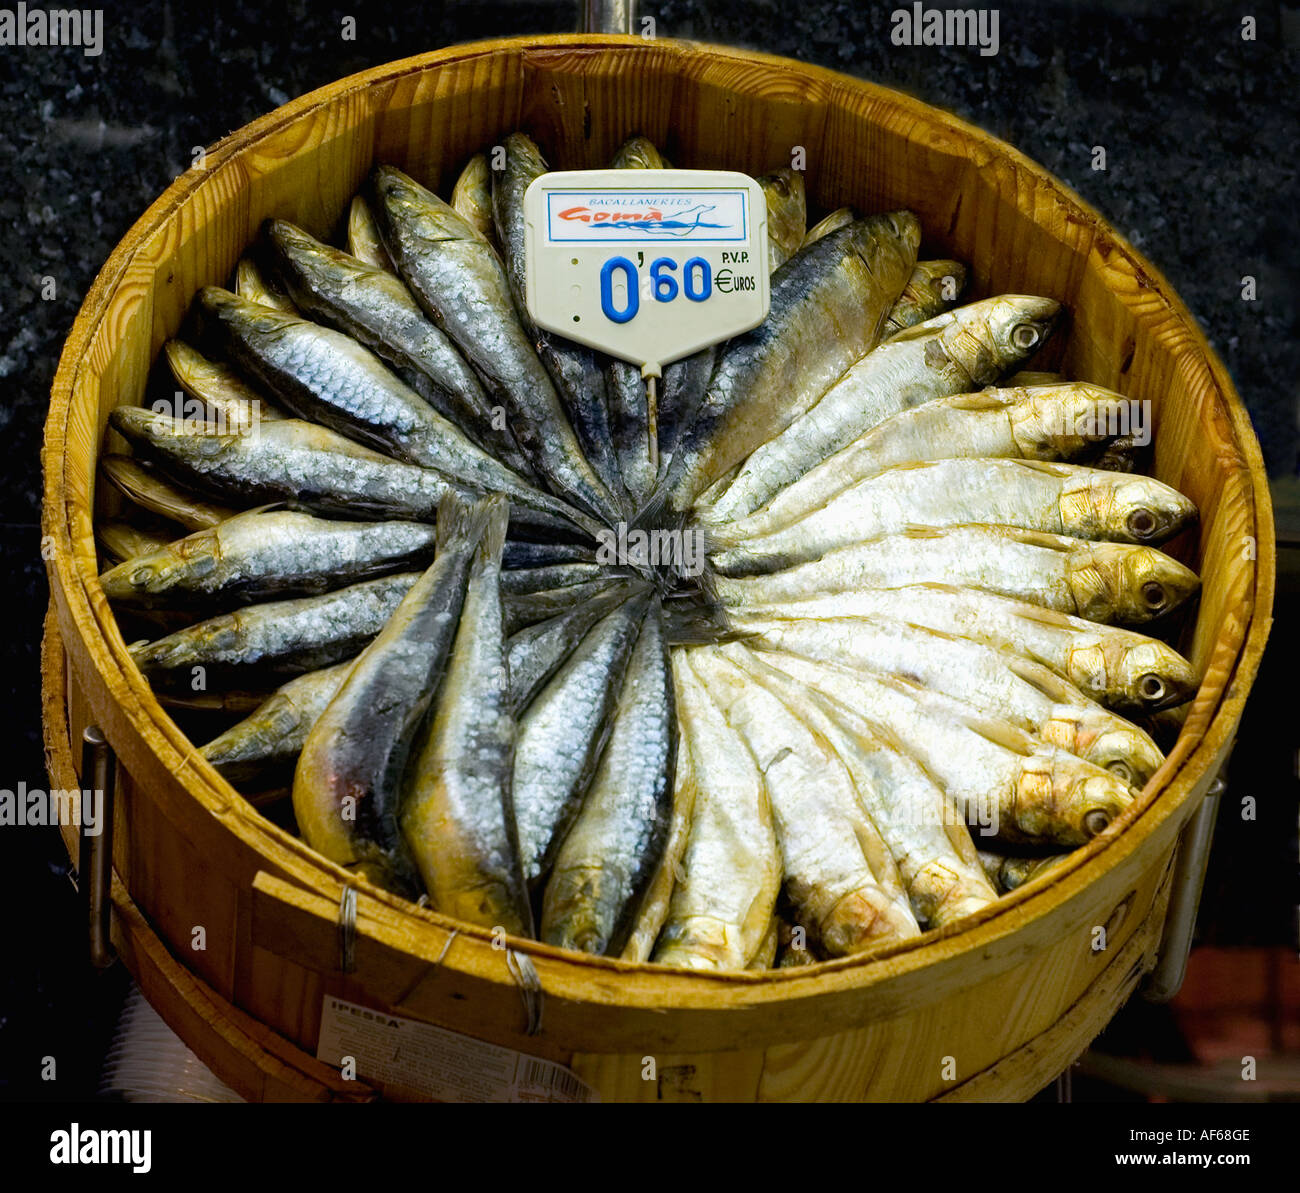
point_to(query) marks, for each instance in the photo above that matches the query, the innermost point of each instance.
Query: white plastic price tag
(647, 265)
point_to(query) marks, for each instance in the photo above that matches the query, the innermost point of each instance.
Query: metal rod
(95, 852)
(652, 419)
(608, 16)
(1189, 879)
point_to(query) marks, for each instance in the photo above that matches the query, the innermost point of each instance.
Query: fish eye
(1153, 595)
(1151, 687)
(1141, 523)
(1025, 336)
(1095, 822)
(1121, 770)
(141, 575)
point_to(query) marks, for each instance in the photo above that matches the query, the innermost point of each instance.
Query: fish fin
(982, 400)
(1044, 679)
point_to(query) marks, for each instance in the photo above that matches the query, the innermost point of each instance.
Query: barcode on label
(551, 1080)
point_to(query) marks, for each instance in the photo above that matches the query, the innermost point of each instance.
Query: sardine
(787, 215)
(457, 813)
(151, 492)
(347, 786)
(605, 864)
(1063, 499)
(818, 821)
(253, 285)
(828, 303)
(1008, 873)
(312, 468)
(1121, 669)
(954, 353)
(1058, 422)
(120, 540)
(1005, 781)
(579, 372)
(731, 866)
(638, 153)
(328, 377)
(364, 242)
(375, 308)
(263, 555)
(457, 277)
(541, 579)
(933, 287)
(528, 608)
(563, 733)
(264, 645)
(995, 681)
(472, 196)
(917, 821)
(218, 386)
(263, 748)
(1106, 582)
(536, 651)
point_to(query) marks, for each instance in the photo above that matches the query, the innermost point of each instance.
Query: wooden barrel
(992, 1010)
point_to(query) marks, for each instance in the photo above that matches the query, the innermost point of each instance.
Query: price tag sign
(647, 265)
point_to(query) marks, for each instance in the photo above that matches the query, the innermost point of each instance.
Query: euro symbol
(723, 280)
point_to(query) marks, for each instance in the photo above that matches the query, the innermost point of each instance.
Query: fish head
(139, 579)
(1149, 675)
(1119, 582)
(1063, 421)
(1123, 508)
(638, 153)
(1110, 742)
(401, 202)
(222, 313)
(1065, 799)
(155, 433)
(1019, 324)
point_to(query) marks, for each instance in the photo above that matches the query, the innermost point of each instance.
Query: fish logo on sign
(652, 223)
(577, 217)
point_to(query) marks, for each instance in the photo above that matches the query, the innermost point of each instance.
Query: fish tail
(456, 520)
(496, 518)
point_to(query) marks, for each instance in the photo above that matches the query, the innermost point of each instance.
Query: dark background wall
(1199, 128)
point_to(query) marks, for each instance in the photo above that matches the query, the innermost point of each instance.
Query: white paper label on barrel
(647, 265)
(418, 1058)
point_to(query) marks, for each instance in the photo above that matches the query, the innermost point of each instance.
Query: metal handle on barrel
(608, 16)
(1189, 879)
(95, 852)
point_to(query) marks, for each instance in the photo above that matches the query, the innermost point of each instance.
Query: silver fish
(457, 812)
(458, 279)
(1064, 499)
(954, 353)
(262, 554)
(263, 748)
(374, 307)
(604, 867)
(563, 732)
(1107, 582)
(347, 786)
(828, 303)
(731, 866)
(272, 642)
